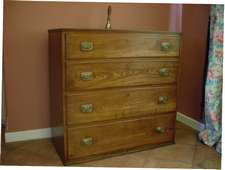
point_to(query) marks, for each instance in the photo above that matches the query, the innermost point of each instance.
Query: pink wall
(26, 27)
(175, 22)
(193, 55)
(192, 21)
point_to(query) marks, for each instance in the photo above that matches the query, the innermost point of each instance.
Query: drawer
(91, 106)
(109, 137)
(119, 73)
(115, 44)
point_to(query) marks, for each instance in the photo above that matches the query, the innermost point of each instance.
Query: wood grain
(56, 91)
(119, 152)
(119, 103)
(115, 44)
(123, 91)
(121, 134)
(119, 73)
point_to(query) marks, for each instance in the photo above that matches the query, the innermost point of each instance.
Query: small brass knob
(86, 108)
(86, 76)
(87, 141)
(160, 129)
(164, 72)
(165, 46)
(162, 99)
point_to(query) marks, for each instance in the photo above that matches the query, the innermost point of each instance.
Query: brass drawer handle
(86, 108)
(164, 72)
(162, 99)
(165, 46)
(86, 46)
(86, 76)
(87, 141)
(160, 129)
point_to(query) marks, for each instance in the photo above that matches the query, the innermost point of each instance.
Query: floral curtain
(211, 135)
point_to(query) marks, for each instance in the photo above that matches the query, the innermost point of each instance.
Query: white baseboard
(47, 132)
(28, 135)
(189, 122)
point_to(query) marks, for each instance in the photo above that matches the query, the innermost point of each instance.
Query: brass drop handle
(86, 46)
(86, 76)
(160, 129)
(162, 99)
(165, 46)
(163, 72)
(86, 108)
(87, 141)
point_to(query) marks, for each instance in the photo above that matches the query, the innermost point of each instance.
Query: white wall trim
(28, 135)
(47, 132)
(190, 122)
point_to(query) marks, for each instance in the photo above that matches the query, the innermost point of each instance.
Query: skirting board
(46, 132)
(190, 122)
(28, 135)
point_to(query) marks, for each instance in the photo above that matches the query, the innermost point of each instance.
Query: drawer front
(105, 138)
(91, 106)
(114, 45)
(119, 73)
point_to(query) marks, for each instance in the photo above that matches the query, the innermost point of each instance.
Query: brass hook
(108, 24)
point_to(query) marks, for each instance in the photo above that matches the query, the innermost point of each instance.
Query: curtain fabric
(211, 135)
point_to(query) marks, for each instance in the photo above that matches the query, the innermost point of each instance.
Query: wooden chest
(112, 92)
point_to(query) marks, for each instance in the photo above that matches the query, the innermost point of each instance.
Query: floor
(186, 153)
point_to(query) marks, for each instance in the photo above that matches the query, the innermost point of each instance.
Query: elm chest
(112, 92)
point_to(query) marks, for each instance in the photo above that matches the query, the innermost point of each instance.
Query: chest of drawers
(112, 92)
